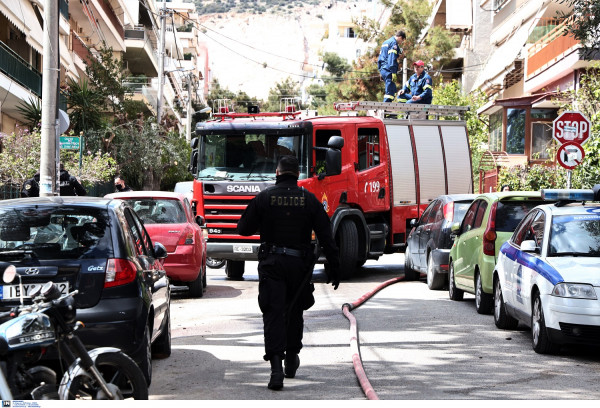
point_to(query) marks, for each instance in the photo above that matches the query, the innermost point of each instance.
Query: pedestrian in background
(286, 215)
(69, 185)
(419, 87)
(505, 187)
(31, 186)
(387, 63)
(120, 185)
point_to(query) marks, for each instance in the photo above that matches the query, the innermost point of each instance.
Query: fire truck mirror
(333, 162)
(193, 167)
(335, 142)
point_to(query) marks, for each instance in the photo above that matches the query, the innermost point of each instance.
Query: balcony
(80, 48)
(549, 49)
(140, 53)
(20, 70)
(143, 89)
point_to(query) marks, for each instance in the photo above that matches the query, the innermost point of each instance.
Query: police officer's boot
(276, 382)
(292, 362)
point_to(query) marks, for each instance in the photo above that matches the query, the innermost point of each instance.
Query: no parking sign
(570, 155)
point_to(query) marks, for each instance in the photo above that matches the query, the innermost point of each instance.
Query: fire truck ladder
(412, 111)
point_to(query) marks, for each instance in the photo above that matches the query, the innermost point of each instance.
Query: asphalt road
(415, 344)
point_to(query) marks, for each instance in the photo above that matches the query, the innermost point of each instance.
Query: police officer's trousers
(280, 277)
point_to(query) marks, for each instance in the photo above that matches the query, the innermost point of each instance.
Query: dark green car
(488, 223)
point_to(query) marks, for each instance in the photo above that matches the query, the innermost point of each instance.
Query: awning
(22, 15)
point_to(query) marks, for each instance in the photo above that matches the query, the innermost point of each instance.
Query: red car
(169, 219)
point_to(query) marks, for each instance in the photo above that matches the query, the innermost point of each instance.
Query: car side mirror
(455, 228)
(414, 222)
(529, 246)
(160, 252)
(200, 220)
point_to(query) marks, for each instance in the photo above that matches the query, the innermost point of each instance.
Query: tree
(32, 111)
(335, 65)
(583, 22)
(105, 75)
(85, 106)
(287, 88)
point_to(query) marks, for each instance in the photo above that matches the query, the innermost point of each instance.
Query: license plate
(14, 291)
(246, 249)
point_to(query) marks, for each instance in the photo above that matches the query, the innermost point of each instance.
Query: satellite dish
(63, 121)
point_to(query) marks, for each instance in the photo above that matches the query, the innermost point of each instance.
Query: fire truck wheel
(234, 270)
(347, 241)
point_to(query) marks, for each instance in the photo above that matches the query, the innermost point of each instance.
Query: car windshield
(510, 213)
(63, 232)
(158, 210)
(575, 235)
(248, 156)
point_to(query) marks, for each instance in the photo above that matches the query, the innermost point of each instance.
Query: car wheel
(409, 273)
(144, 359)
(234, 270)
(435, 281)
(215, 263)
(483, 301)
(501, 317)
(161, 348)
(196, 287)
(453, 291)
(539, 336)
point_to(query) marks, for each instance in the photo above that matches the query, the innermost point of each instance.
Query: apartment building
(129, 27)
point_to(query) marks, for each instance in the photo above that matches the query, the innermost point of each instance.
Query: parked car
(547, 274)
(168, 218)
(429, 242)
(490, 220)
(99, 247)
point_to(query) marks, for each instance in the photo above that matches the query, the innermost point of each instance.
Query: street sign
(571, 126)
(570, 155)
(69, 142)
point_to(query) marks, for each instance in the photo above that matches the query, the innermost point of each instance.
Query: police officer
(387, 63)
(69, 185)
(31, 186)
(418, 88)
(286, 215)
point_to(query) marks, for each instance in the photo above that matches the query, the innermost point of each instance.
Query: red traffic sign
(570, 155)
(571, 126)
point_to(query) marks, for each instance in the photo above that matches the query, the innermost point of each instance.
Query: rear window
(510, 213)
(158, 211)
(460, 209)
(45, 232)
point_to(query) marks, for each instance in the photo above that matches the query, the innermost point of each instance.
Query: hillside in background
(253, 6)
(252, 51)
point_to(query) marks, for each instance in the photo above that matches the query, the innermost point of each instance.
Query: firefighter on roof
(388, 63)
(419, 88)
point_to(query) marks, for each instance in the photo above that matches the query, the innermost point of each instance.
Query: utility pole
(188, 130)
(161, 61)
(50, 87)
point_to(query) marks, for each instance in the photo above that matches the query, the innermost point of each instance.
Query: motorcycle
(104, 373)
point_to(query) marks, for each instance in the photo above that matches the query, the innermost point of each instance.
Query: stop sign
(571, 126)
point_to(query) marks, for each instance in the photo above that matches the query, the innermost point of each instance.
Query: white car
(548, 273)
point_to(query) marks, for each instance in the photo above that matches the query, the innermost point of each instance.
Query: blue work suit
(387, 63)
(419, 85)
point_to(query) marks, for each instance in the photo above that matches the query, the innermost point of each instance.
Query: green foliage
(287, 88)
(335, 65)
(532, 178)
(105, 75)
(20, 160)
(85, 105)
(32, 111)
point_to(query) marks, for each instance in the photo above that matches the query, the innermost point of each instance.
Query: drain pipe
(354, 344)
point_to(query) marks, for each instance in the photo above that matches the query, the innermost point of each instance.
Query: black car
(429, 242)
(99, 247)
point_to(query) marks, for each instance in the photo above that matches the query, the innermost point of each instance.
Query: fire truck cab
(372, 173)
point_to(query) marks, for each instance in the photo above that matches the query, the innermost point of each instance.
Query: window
(537, 228)
(436, 213)
(136, 233)
(349, 32)
(480, 214)
(321, 139)
(521, 231)
(425, 214)
(467, 223)
(368, 148)
(496, 131)
(541, 140)
(515, 131)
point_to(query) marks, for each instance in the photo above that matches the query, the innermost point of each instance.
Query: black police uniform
(31, 187)
(69, 186)
(286, 215)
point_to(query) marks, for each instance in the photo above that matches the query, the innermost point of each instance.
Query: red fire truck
(372, 173)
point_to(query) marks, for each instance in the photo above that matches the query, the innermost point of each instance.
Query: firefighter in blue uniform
(388, 63)
(419, 88)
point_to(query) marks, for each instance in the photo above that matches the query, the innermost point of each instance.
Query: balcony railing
(20, 70)
(63, 7)
(549, 48)
(80, 48)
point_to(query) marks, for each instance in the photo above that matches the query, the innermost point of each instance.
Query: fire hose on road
(354, 344)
